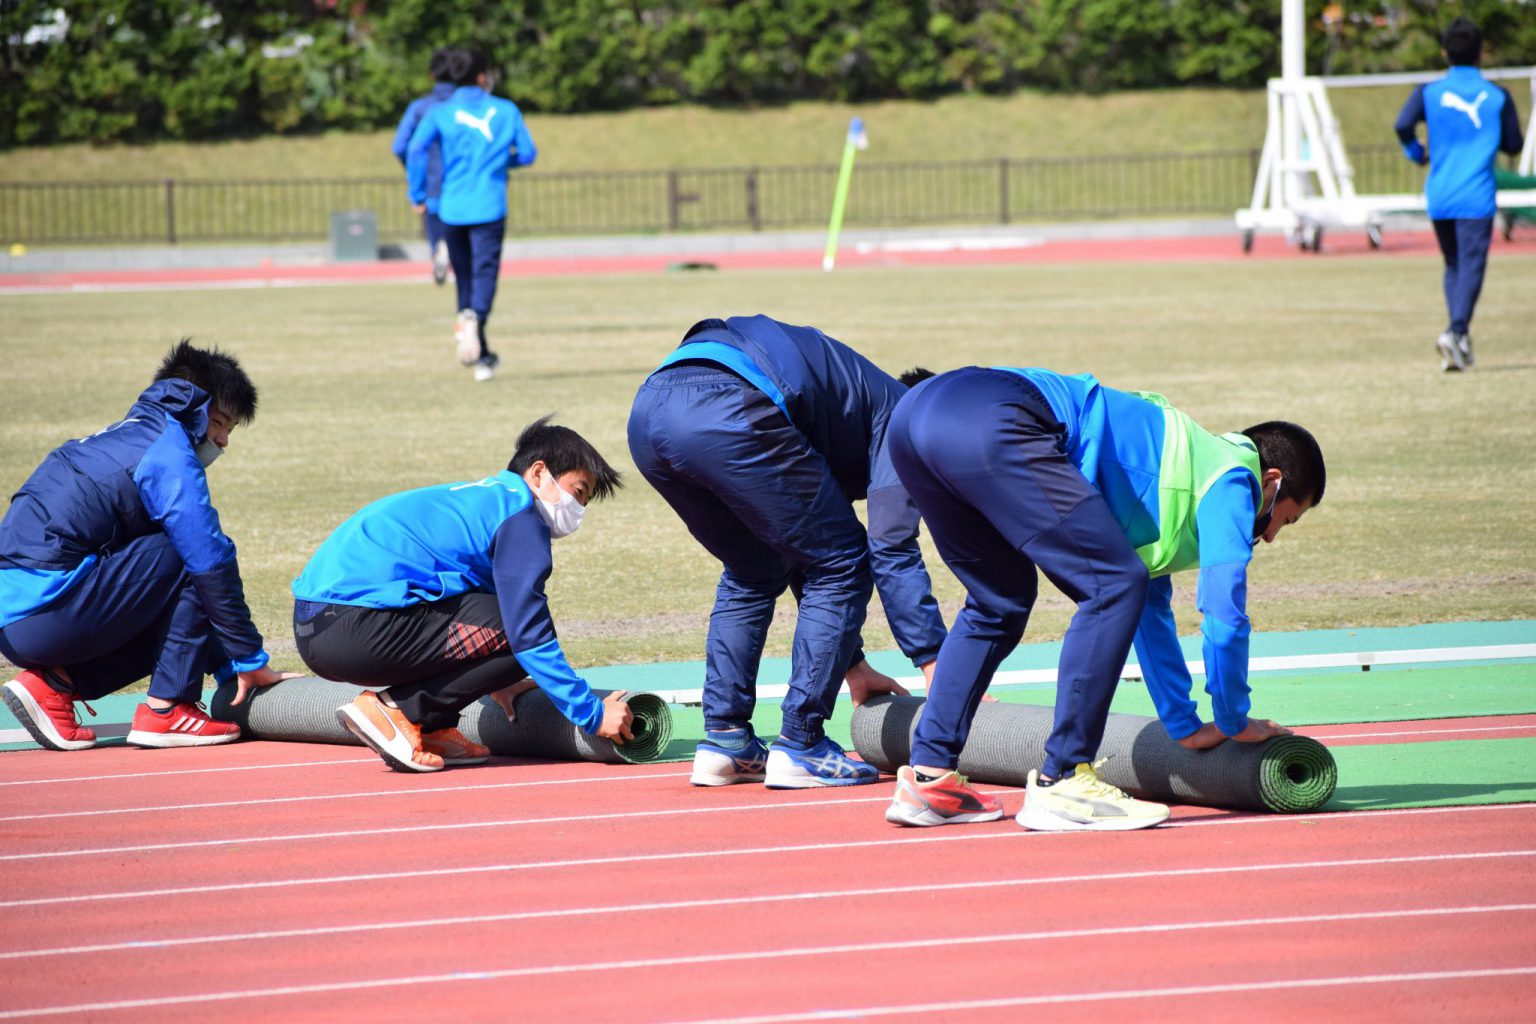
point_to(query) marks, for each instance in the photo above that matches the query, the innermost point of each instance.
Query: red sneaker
(948, 800)
(47, 714)
(184, 725)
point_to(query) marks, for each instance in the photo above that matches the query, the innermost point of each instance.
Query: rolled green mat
(1288, 774)
(304, 711)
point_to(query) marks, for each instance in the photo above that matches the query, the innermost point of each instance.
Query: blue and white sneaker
(714, 765)
(825, 764)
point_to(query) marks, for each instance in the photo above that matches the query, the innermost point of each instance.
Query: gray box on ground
(354, 236)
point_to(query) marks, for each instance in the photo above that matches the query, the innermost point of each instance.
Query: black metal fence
(999, 191)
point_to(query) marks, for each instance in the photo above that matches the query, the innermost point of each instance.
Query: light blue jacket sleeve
(1162, 661)
(406, 129)
(426, 133)
(524, 152)
(1225, 521)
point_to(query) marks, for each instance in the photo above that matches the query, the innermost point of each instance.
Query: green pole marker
(856, 141)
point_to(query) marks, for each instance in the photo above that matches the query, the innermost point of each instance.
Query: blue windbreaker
(481, 136)
(436, 542)
(841, 403)
(413, 115)
(1115, 439)
(1469, 119)
(137, 477)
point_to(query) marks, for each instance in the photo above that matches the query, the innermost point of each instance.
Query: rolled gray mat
(1288, 774)
(304, 710)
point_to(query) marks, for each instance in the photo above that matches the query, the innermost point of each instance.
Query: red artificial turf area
(266, 881)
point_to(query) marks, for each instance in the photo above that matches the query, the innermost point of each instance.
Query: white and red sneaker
(184, 725)
(47, 714)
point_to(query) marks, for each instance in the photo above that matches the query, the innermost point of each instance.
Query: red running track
(272, 881)
(1141, 250)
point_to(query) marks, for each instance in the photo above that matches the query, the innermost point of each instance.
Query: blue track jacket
(842, 403)
(440, 93)
(137, 477)
(481, 136)
(1116, 440)
(437, 542)
(1469, 119)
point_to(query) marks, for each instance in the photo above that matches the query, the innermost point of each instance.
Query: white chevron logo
(1450, 99)
(480, 124)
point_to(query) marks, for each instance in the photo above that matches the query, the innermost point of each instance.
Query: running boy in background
(435, 598)
(481, 136)
(761, 436)
(113, 567)
(1107, 492)
(431, 224)
(1469, 120)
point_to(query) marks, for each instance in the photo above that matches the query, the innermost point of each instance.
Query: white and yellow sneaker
(1085, 802)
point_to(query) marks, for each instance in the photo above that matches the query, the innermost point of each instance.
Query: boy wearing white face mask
(113, 567)
(434, 598)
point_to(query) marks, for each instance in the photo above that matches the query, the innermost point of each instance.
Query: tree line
(139, 70)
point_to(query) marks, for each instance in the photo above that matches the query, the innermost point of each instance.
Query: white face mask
(562, 516)
(206, 452)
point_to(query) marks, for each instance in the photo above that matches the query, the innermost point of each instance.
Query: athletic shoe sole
(467, 341)
(358, 725)
(1451, 359)
(794, 777)
(163, 740)
(1038, 820)
(719, 770)
(36, 721)
(927, 817)
(439, 264)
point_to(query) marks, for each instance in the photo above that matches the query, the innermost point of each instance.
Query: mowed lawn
(1428, 514)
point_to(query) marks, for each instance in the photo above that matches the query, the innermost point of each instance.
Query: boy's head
(915, 376)
(465, 67)
(219, 374)
(437, 65)
(567, 458)
(1291, 472)
(1463, 42)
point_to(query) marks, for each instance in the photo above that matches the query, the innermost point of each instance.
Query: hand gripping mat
(1288, 774)
(304, 710)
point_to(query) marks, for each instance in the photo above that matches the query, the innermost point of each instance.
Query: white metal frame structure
(1305, 182)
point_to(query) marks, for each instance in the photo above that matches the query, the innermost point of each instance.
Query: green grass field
(1427, 514)
(1027, 124)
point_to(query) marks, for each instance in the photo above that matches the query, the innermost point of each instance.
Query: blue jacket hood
(181, 400)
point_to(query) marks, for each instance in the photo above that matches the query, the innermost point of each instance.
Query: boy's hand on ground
(1261, 729)
(617, 718)
(864, 682)
(507, 698)
(264, 676)
(1203, 738)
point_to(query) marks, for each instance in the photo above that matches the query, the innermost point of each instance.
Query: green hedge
(100, 70)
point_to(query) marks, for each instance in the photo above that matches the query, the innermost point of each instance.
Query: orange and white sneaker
(454, 747)
(948, 800)
(182, 725)
(46, 713)
(392, 736)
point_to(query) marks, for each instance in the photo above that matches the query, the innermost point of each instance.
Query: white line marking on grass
(712, 852)
(189, 771)
(736, 901)
(805, 951)
(364, 794)
(852, 1013)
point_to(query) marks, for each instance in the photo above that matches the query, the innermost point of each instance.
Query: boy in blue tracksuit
(435, 598)
(480, 136)
(431, 223)
(1469, 120)
(113, 567)
(1107, 492)
(761, 435)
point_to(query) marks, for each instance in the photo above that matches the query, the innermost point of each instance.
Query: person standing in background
(431, 225)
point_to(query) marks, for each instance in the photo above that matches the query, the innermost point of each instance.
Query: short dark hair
(562, 450)
(437, 65)
(1463, 42)
(465, 66)
(1296, 454)
(915, 376)
(217, 373)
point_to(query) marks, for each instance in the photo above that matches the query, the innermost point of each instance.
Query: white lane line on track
(854, 1013)
(1420, 732)
(791, 897)
(716, 852)
(362, 794)
(189, 771)
(845, 949)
